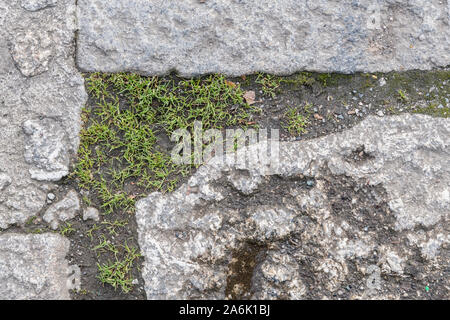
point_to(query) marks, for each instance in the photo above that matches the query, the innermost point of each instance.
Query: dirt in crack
(125, 148)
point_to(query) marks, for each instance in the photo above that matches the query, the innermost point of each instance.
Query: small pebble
(91, 213)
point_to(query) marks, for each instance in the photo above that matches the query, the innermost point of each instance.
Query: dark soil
(340, 101)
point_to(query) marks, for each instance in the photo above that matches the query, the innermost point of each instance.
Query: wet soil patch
(241, 269)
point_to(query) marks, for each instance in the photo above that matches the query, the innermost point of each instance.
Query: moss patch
(434, 110)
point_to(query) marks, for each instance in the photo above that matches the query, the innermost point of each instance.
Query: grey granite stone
(46, 150)
(35, 5)
(241, 37)
(378, 207)
(5, 181)
(41, 96)
(33, 267)
(63, 210)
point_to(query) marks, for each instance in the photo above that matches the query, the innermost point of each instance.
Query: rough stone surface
(5, 181)
(91, 214)
(35, 5)
(359, 214)
(45, 149)
(34, 267)
(41, 96)
(63, 210)
(241, 37)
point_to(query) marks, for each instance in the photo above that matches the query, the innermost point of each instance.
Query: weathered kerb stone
(41, 96)
(241, 37)
(34, 267)
(359, 214)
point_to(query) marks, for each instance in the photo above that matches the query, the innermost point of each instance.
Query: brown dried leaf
(318, 116)
(230, 84)
(250, 97)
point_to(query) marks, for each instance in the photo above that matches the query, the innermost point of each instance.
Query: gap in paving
(326, 103)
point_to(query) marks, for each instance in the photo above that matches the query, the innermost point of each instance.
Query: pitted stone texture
(41, 96)
(279, 268)
(5, 181)
(32, 52)
(242, 37)
(35, 5)
(319, 223)
(63, 210)
(45, 149)
(33, 267)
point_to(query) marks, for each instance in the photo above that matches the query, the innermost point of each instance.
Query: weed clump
(297, 119)
(120, 154)
(117, 272)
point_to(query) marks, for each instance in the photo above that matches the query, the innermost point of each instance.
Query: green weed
(117, 272)
(296, 120)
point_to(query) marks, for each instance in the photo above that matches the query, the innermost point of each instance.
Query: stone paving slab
(41, 96)
(33, 267)
(241, 37)
(371, 201)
